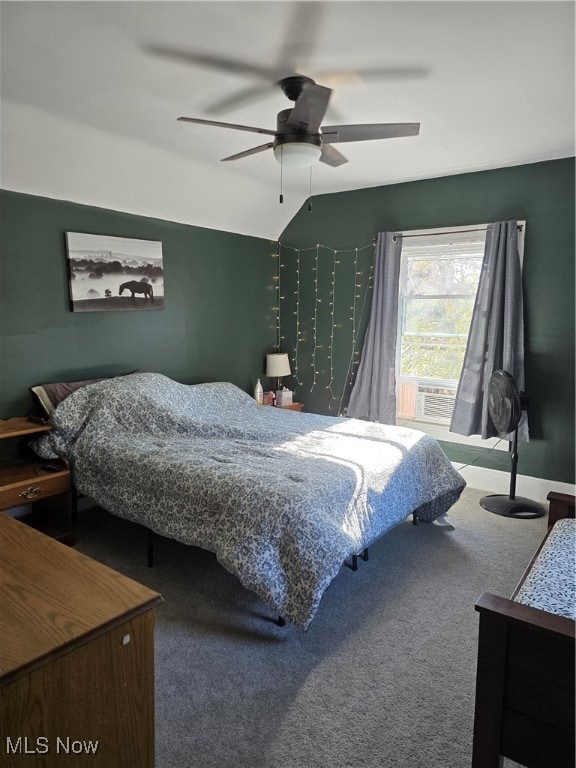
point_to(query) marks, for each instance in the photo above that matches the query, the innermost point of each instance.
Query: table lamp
(277, 365)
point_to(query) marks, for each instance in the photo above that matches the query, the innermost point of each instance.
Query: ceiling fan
(295, 52)
(299, 139)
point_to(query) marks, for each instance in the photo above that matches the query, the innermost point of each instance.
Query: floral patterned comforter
(551, 582)
(282, 498)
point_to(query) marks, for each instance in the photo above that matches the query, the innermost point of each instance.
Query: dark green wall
(217, 324)
(219, 319)
(540, 193)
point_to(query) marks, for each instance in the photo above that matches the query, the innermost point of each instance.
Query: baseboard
(495, 481)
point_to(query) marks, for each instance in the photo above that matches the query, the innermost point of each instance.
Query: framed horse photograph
(114, 274)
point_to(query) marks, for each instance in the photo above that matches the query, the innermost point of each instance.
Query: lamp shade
(277, 364)
(297, 154)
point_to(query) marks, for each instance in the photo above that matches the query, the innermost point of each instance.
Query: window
(439, 277)
(438, 283)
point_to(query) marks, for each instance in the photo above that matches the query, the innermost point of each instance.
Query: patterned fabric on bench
(551, 583)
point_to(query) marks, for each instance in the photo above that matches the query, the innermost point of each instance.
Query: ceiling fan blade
(303, 31)
(332, 134)
(269, 73)
(337, 77)
(248, 152)
(331, 156)
(310, 107)
(240, 99)
(299, 42)
(235, 126)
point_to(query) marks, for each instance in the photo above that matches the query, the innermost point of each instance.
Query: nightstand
(46, 494)
(291, 407)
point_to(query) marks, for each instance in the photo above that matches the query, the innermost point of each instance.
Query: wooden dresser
(76, 658)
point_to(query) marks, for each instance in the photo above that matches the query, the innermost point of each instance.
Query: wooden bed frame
(525, 677)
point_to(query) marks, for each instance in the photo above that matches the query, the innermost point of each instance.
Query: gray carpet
(383, 678)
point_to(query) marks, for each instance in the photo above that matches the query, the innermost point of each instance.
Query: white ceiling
(89, 114)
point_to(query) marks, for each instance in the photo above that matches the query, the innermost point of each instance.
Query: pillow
(51, 395)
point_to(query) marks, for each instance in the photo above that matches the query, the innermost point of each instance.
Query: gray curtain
(496, 337)
(373, 396)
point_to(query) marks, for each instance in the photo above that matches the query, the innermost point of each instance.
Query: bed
(282, 498)
(524, 707)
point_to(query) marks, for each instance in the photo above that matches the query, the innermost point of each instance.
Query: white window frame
(440, 431)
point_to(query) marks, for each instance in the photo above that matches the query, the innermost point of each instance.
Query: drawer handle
(30, 492)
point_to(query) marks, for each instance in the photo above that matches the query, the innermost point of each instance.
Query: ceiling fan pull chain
(281, 174)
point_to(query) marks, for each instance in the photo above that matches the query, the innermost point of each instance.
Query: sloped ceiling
(89, 112)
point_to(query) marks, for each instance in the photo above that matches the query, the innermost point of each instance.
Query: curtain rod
(455, 232)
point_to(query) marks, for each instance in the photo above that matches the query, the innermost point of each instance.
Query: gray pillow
(50, 395)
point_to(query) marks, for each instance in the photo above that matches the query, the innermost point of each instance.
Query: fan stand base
(522, 508)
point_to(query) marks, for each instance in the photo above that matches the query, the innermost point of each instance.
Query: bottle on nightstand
(258, 393)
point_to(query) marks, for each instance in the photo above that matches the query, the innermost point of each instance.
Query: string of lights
(355, 356)
(315, 320)
(357, 285)
(297, 313)
(281, 298)
(332, 305)
(276, 279)
(319, 364)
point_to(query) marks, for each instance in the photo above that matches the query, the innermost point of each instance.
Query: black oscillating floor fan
(505, 406)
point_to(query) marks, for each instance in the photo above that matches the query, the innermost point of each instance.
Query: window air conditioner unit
(434, 404)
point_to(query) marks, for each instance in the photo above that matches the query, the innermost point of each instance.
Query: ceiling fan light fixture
(297, 154)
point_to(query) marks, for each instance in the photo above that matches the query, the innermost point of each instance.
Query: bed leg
(414, 518)
(280, 621)
(150, 549)
(354, 564)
